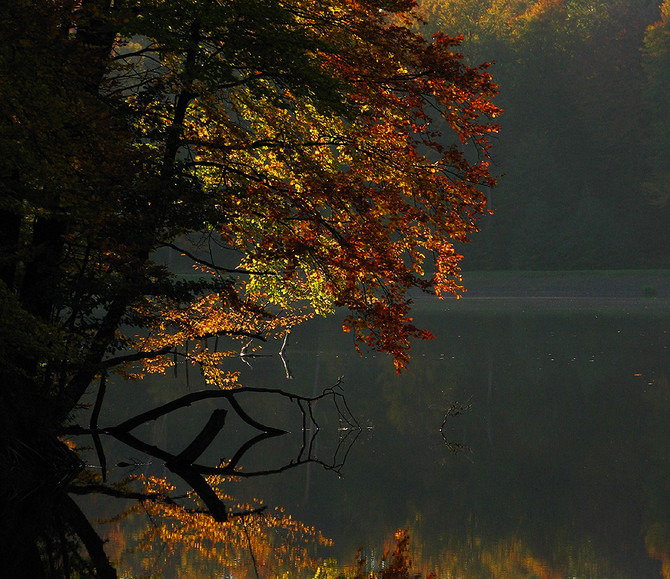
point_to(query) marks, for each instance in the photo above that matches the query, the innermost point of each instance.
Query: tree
(656, 51)
(296, 138)
(288, 150)
(486, 26)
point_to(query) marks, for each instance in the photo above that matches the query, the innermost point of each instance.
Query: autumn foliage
(303, 155)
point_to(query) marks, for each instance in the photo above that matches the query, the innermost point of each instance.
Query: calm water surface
(530, 438)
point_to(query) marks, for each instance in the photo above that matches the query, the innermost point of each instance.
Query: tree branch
(213, 265)
(136, 357)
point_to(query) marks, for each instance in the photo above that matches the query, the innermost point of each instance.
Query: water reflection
(526, 441)
(566, 465)
(41, 526)
(204, 524)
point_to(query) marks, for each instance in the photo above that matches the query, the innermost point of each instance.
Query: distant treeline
(583, 153)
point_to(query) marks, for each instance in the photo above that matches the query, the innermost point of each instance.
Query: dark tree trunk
(10, 228)
(39, 288)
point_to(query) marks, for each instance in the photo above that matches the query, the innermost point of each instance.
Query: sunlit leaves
(190, 332)
(312, 130)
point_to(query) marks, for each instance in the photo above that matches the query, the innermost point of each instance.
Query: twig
(251, 551)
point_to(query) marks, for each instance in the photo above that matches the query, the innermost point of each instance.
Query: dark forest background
(582, 154)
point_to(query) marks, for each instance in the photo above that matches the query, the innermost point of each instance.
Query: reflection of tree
(447, 431)
(471, 556)
(205, 520)
(396, 562)
(42, 528)
(180, 535)
(657, 490)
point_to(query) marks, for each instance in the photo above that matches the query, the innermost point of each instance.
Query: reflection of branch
(250, 421)
(353, 434)
(287, 370)
(204, 490)
(98, 401)
(123, 494)
(457, 447)
(190, 473)
(94, 425)
(230, 468)
(88, 536)
(231, 464)
(245, 355)
(153, 497)
(204, 438)
(130, 440)
(343, 400)
(455, 409)
(189, 399)
(193, 397)
(184, 465)
(101, 454)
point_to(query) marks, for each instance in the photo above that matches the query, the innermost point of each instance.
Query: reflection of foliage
(657, 533)
(569, 429)
(399, 562)
(504, 559)
(395, 563)
(188, 538)
(473, 556)
(657, 541)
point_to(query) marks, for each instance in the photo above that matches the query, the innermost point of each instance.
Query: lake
(528, 439)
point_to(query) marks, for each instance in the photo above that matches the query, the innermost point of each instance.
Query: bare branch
(136, 357)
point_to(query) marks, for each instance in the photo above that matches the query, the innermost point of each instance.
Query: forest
(583, 149)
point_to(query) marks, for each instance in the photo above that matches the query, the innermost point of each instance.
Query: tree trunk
(39, 287)
(10, 227)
